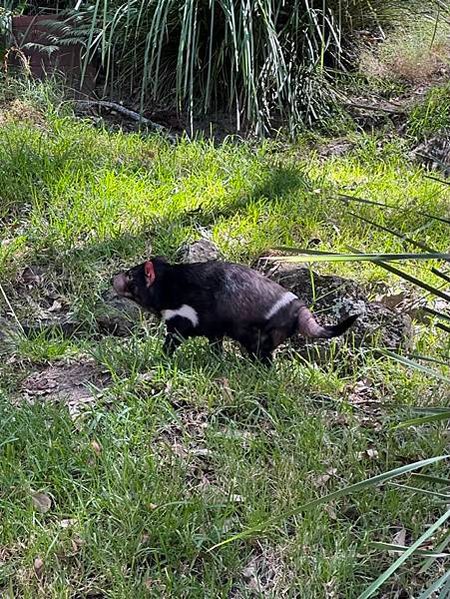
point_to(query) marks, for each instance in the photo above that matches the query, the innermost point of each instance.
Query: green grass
(193, 450)
(432, 115)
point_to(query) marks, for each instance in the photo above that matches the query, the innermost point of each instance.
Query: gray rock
(202, 250)
(117, 315)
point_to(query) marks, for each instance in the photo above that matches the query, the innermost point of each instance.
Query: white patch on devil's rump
(184, 311)
(283, 301)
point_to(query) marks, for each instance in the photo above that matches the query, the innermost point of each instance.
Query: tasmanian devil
(220, 299)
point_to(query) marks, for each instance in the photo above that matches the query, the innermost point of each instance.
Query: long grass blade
(407, 277)
(422, 491)
(308, 256)
(420, 421)
(403, 548)
(393, 232)
(440, 547)
(430, 592)
(415, 365)
(350, 489)
(436, 313)
(346, 198)
(431, 479)
(388, 573)
(442, 327)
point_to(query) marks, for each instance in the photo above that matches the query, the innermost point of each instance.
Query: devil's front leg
(258, 345)
(177, 330)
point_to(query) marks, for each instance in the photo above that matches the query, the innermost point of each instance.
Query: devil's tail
(309, 327)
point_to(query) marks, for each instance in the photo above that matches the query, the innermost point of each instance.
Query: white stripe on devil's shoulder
(284, 300)
(185, 312)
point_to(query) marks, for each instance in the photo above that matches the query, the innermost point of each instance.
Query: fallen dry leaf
(96, 447)
(67, 522)
(393, 300)
(322, 479)
(38, 567)
(400, 537)
(331, 512)
(77, 543)
(41, 502)
(32, 275)
(250, 574)
(369, 453)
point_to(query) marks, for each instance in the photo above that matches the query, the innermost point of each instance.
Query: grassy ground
(175, 456)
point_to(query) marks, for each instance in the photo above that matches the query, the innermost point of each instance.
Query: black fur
(230, 300)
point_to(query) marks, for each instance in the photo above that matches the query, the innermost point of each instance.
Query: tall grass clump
(414, 53)
(432, 115)
(262, 63)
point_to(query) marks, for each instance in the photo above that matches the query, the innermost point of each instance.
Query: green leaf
(423, 491)
(431, 479)
(421, 420)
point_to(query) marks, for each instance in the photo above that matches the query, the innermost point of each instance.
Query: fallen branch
(130, 114)
(373, 108)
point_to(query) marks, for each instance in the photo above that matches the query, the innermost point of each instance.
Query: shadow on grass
(280, 182)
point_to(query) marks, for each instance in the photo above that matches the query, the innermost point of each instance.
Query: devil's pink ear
(149, 271)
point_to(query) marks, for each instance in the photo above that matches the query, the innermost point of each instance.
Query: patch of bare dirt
(428, 67)
(77, 385)
(335, 147)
